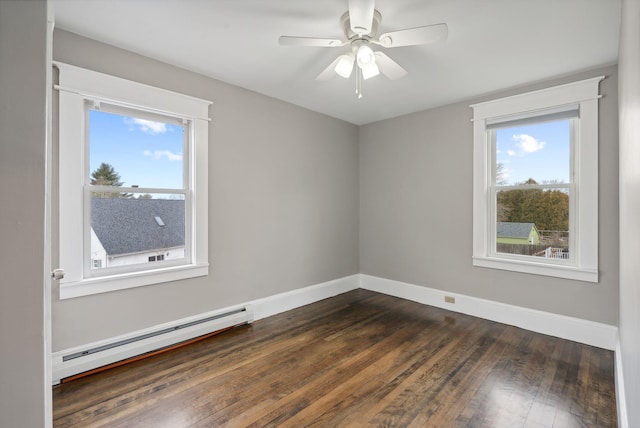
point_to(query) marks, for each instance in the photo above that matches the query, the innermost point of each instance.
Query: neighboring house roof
(514, 230)
(128, 225)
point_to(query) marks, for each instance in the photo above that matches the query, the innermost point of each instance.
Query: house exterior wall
(533, 238)
(416, 190)
(97, 250)
(508, 240)
(283, 202)
(141, 258)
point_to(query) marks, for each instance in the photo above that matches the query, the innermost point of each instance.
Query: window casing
(82, 92)
(576, 105)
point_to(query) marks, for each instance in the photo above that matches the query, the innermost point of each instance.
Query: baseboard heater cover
(77, 360)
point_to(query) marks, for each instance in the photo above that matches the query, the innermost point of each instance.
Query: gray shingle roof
(513, 230)
(127, 225)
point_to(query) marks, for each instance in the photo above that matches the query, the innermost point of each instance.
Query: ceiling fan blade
(361, 16)
(414, 36)
(389, 67)
(310, 41)
(329, 72)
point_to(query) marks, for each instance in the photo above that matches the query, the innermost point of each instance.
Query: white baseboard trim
(578, 330)
(621, 398)
(588, 332)
(254, 310)
(278, 303)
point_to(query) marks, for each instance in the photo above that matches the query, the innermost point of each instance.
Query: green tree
(547, 209)
(106, 175)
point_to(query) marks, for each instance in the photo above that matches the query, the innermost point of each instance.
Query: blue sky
(540, 151)
(143, 152)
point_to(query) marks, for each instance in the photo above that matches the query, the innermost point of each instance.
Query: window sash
(492, 242)
(184, 122)
(106, 271)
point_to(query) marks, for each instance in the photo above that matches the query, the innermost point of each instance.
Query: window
(535, 203)
(126, 226)
(133, 183)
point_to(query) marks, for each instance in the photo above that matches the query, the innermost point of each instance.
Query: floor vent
(77, 360)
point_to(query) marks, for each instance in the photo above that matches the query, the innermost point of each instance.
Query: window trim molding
(76, 85)
(584, 93)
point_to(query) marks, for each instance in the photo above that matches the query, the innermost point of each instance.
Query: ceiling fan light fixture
(344, 67)
(365, 57)
(370, 71)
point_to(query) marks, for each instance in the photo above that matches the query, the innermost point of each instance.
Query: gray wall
(283, 202)
(416, 211)
(23, 42)
(630, 205)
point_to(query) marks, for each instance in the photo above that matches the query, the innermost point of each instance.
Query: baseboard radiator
(70, 362)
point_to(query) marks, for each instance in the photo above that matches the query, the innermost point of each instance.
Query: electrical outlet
(449, 299)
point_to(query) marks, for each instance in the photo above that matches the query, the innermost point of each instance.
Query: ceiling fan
(361, 23)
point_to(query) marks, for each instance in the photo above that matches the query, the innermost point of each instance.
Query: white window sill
(89, 286)
(536, 268)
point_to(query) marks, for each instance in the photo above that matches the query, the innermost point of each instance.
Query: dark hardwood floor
(358, 359)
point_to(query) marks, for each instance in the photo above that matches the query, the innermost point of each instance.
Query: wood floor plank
(428, 344)
(358, 359)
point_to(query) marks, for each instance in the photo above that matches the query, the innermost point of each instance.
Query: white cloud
(148, 126)
(159, 154)
(511, 152)
(527, 143)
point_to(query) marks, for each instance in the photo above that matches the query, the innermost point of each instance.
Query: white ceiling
(492, 45)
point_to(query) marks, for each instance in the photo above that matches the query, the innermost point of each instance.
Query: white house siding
(97, 250)
(140, 258)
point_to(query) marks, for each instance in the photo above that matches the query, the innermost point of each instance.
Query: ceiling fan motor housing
(353, 36)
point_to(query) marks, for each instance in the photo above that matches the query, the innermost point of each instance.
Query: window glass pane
(134, 152)
(132, 229)
(533, 222)
(538, 153)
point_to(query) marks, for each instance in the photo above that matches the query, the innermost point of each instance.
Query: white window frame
(183, 190)
(583, 263)
(77, 86)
